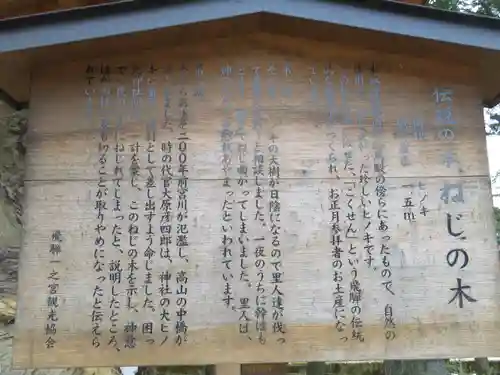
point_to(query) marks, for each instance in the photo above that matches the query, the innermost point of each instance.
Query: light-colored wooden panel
(68, 156)
(421, 278)
(300, 106)
(414, 223)
(228, 369)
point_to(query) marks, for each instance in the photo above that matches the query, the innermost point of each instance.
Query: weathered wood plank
(369, 208)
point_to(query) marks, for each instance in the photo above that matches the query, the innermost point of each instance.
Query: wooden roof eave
(131, 17)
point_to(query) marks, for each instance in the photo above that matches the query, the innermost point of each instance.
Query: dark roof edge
(125, 17)
(127, 6)
(80, 13)
(6, 98)
(493, 102)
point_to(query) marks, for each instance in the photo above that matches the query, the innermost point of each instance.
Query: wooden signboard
(200, 206)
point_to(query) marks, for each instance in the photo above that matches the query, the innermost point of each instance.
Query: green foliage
(473, 368)
(489, 8)
(445, 4)
(486, 7)
(496, 216)
(416, 367)
(173, 370)
(370, 368)
(493, 128)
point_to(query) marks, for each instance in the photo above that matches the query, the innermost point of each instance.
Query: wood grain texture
(18, 8)
(301, 123)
